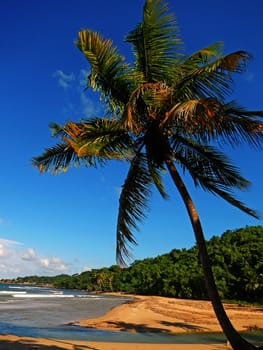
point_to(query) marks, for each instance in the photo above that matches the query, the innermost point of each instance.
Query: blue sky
(66, 223)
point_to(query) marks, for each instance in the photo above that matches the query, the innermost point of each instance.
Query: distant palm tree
(165, 110)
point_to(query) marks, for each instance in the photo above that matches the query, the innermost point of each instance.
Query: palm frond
(202, 57)
(101, 138)
(236, 203)
(211, 58)
(206, 119)
(155, 42)
(237, 125)
(156, 175)
(197, 79)
(132, 204)
(204, 161)
(56, 159)
(235, 62)
(56, 129)
(109, 74)
(197, 117)
(211, 170)
(89, 143)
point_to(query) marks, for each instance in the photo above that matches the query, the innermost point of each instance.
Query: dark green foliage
(236, 256)
(238, 263)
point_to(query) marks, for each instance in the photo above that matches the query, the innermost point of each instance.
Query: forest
(236, 257)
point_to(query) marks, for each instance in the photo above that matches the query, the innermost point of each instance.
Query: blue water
(35, 311)
(51, 313)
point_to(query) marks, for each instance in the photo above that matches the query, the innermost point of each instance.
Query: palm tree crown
(164, 106)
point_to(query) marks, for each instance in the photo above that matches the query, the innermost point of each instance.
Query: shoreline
(150, 315)
(154, 314)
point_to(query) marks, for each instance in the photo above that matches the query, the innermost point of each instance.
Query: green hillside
(236, 256)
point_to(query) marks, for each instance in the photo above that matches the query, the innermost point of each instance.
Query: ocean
(51, 313)
(35, 311)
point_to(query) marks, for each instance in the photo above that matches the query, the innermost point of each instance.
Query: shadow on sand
(142, 328)
(28, 344)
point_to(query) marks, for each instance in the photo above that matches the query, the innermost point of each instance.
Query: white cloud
(86, 268)
(4, 252)
(6, 247)
(10, 271)
(53, 264)
(8, 242)
(29, 255)
(79, 103)
(89, 108)
(82, 77)
(117, 190)
(64, 79)
(16, 260)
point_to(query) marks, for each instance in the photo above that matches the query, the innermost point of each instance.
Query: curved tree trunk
(236, 341)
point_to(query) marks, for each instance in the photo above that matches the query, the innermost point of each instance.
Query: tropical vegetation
(166, 112)
(237, 259)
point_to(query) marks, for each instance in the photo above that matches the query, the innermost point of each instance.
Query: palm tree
(163, 113)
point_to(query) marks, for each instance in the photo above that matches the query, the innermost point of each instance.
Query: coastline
(154, 314)
(150, 314)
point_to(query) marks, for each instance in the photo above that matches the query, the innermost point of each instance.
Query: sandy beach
(150, 314)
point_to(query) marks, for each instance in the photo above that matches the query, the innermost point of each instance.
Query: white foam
(24, 287)
(11, 292)
(19, 295)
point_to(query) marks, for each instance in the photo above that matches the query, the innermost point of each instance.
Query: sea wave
(9, 292)
(53, 295)
(34, 292)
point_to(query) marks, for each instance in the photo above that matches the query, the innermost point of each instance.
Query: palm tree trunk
(236, 341)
